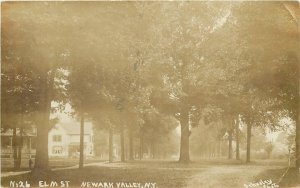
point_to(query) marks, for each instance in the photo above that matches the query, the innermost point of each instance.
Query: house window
(56, 138)
(57, 150)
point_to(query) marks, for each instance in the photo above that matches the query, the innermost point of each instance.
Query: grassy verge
(290, 180)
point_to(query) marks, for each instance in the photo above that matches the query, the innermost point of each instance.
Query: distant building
(28, 139)
(64, 140)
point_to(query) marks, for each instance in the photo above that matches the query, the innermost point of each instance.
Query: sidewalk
(6, 174)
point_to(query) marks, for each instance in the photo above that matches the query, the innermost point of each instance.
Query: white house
(64, 140)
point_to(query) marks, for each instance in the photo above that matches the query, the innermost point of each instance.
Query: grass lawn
(291, 178)
(220, 174)
(163, 177)
(7, 164)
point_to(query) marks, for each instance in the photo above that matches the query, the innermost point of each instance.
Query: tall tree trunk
(130, 144)
(185, 134)
(153, 149)
(237, 137)
(20, 139)
(122, 143)
(20, 147)
(111, 144)
(219, 148)
(248, 142)
(293, 11)
(230, 144)
(81, 149)
(29, 149)
(297, 153)
(141, 145)
(45, 98)
(15, 148)
(42, 159)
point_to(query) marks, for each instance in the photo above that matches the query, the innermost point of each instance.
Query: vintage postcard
(150, 94)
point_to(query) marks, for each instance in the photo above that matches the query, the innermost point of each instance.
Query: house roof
(74, 127)
(71, 128)
(26, 132)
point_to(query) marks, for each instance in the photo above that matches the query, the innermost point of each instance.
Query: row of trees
(147, 66)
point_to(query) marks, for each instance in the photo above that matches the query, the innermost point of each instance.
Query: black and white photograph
(150, 94)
